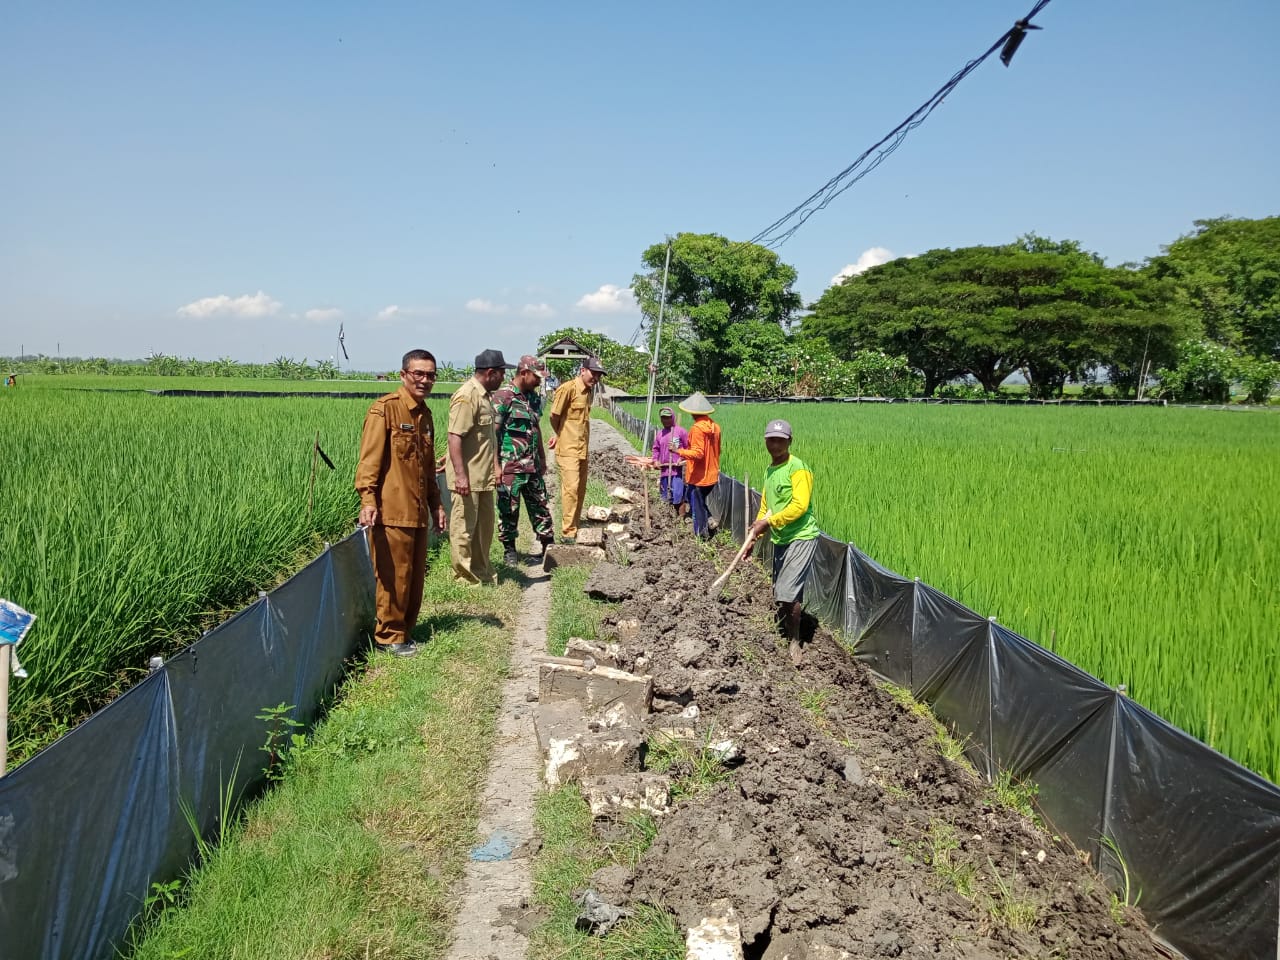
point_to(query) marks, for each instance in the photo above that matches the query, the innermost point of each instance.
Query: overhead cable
(782, 229)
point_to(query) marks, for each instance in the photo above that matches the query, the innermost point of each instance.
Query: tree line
(1188, 324)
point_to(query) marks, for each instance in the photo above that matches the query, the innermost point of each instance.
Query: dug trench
(828, 824)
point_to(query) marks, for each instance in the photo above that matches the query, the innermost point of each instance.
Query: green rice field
(1138, 543)
(129, 522)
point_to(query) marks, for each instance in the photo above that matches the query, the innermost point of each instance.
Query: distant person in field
(571, 423)
(702, 460)
(670, 467)
(472, 470)
(522, 458)
(786, 514)
(399, 499)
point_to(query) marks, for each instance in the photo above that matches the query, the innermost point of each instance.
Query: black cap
(593, 364)
(491, 359)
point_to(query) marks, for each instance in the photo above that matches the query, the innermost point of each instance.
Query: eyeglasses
(420, 374)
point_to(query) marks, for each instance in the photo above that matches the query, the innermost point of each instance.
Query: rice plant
(1135, 542)
(129, 522)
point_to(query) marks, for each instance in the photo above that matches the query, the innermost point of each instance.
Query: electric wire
(782, 229)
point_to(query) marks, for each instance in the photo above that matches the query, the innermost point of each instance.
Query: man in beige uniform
(472, 470)
(571, 423)
(399, 499)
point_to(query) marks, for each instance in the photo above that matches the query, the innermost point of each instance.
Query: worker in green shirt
(786, 513)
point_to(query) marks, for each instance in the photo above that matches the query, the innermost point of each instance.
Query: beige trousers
(471, 523)
(573, 490)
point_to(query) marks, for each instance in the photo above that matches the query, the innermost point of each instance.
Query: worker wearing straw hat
(702, 460)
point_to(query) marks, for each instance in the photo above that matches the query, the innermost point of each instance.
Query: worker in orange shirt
(702, 460)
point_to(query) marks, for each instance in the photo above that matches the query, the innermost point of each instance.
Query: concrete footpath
(495, 911)
(494, 914)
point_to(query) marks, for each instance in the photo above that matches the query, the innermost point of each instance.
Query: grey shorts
(791, 565)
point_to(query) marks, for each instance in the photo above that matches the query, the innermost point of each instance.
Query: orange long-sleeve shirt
(702, 456)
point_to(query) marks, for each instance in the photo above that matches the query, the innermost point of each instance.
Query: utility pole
(657, 344)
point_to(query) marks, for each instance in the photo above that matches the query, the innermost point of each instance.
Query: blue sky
(237, 179)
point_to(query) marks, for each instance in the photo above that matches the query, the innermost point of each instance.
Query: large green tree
(721, 296)
(1047, 308)
(1226, 277)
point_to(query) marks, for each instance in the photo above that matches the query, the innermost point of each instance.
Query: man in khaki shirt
(571, 422)
(399, 499)
(472, 470)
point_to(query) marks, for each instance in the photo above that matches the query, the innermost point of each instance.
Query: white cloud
(478, 305)
(539, 310)
(323, 314)
(393, 312)
(869, 258)
(608, 299)
(250, 306)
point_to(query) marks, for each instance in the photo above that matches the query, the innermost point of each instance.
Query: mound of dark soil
(840, 822)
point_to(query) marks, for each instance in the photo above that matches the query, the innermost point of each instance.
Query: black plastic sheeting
(1199, 834)
(89, 823)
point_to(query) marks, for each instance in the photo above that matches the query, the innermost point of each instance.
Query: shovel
(737, 558)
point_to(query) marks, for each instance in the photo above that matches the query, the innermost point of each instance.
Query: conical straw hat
(697, 403)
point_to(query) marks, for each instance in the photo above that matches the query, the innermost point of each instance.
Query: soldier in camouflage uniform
(521, 457)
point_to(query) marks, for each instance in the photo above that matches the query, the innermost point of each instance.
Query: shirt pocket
(404, 446)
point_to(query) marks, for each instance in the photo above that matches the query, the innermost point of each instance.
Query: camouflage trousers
(534, 490)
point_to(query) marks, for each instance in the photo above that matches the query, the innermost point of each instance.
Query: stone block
(588, 753)
(559, 720)
(597, 513)
(605, 655)
(622, 511)
(716, 938)
(628, 629)
(625, 494)
(569, 555)
(590, 537)
(597, 690)
(615, 794)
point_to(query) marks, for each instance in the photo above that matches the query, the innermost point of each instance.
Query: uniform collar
(409, 399)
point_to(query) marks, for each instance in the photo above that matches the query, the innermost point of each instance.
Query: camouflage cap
(530, 362)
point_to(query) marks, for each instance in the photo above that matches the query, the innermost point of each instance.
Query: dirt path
(493, 916)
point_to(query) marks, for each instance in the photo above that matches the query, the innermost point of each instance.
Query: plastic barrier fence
(89, 823)
(1200, 834)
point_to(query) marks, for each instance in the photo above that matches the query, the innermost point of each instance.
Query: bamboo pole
(644, 480)
(311, 490)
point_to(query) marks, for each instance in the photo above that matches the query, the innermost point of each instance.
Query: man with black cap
(521, 457)
(472, 470)
(571, 422)
(786, 513)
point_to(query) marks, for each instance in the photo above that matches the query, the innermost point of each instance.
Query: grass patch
(1017, 795)
(355, 852)
(694, 767)
(573, 613)
(570, 853)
